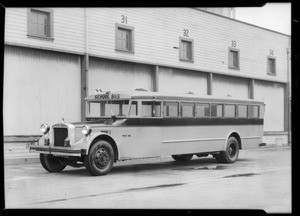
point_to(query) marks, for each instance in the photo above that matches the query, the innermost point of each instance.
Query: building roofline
(235, 20)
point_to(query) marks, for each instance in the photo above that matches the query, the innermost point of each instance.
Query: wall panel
(273, 96)
(180, 81)
(233, 86)
(39, 87)
(118, 76)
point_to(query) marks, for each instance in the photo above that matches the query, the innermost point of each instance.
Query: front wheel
(230, 155)
(183, 157)
(100, 159)
(51, 163)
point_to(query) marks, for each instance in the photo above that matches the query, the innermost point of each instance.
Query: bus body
(140, 124)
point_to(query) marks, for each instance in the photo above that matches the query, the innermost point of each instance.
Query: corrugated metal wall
(118, 76)
(180, 81)
(273, 96)
(233, 86)
(42, 86)
(156, 33)
(39, 87)
(68, 32)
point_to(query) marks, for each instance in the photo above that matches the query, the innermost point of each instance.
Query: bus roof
(123, 95)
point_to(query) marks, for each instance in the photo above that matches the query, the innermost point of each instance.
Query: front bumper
(61, 151)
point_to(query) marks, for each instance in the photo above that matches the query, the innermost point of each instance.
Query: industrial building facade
(55, 57)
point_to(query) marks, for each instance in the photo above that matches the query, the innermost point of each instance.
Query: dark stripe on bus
(191, 121)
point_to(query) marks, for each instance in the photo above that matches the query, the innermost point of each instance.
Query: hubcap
(101, 158)
(232, 150)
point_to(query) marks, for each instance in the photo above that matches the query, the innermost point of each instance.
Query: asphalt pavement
(260, 179)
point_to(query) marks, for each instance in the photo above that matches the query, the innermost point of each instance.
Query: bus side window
(202, 110)
(261, 111)
(150, 109)
(229, 110)
(146, 109)
(242, 111)
(133, 109)
(216, 110)
(187, 109)
(170, 109)
(253, 111)
(156, 109)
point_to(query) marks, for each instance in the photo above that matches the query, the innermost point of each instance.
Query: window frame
(235, 110)
(131, 102)
(190, 103)
(238, 58)
(163, 107)
(209, 108)
(131, 30)
(181, 39)
(222, 104)
(152, 101)
(258, 111)
(268, 69)
(51, 29)
(238, 113)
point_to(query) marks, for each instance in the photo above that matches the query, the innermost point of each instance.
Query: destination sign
(107, 96)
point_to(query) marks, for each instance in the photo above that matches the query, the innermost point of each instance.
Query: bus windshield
(107, 108)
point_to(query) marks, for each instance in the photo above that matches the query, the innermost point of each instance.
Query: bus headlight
(45, 128)
(86, 130)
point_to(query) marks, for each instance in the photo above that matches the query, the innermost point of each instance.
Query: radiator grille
(60, 134)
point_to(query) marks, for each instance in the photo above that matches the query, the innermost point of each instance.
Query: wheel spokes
(101, 158)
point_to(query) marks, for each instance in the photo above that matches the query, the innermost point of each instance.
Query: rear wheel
(100, 159)
(183, 157)
(230, 155)
(52, 163)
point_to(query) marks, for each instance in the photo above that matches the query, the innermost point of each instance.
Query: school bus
(143, 124)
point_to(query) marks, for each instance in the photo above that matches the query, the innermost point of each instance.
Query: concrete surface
(260, 179)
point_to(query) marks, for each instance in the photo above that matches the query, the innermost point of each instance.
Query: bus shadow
(194, 164)
(168, 165)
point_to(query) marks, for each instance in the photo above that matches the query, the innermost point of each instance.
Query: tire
(51, 163)
(183, 157)
(219, 158)
(100, 159)
(231, 154)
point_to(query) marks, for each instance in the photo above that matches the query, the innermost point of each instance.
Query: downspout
(86, 49)
(289, 92)
(85, 67)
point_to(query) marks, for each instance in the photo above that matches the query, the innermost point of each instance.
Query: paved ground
(260, 179)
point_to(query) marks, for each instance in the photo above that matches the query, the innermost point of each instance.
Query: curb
(21, 160)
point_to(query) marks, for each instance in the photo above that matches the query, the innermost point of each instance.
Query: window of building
(242, 111)
(124, 38)
(202, 110)
(271, 65)
(229, 110)
(187, 109)
(234, 59)
(253, 111)
(40, 23)
(170, 109)
(186, 49)
(150, 109)
(216, 110)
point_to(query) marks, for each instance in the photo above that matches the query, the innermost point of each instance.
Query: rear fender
(236, 135)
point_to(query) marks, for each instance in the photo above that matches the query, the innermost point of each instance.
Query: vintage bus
(143, 124)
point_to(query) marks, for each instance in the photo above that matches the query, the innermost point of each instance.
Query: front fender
(90, 139)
